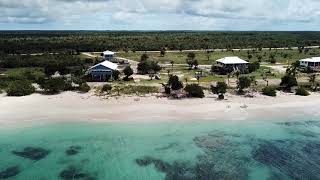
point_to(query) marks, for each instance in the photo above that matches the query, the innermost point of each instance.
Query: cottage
(313, 63)
(102, 71)
(108, 55)
(230, 64)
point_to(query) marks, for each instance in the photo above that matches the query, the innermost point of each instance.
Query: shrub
(53, 85)
(302, 92)
(269, 91)
(20, 88)
(252, 67)
(194, 90)
(84, 87)
(106, 88)
(243, 83)
(288, 81)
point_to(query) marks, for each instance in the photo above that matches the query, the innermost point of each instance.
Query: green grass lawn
(281, 56)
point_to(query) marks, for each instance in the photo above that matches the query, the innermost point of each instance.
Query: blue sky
(287, 15)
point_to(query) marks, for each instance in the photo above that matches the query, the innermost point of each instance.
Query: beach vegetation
(174, 83)
(84, 87)
(243, 83)
(53, 85)
(115, 75)
(302, 91)
(194, 90)
(106, 88)
(128, 71)
(252, 67)
(220, 89)
(20, 88)
(138, 89)
(269, 91)
(288, 81)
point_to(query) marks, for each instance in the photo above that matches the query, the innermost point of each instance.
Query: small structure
(108, 55)
(313, 63)
(102, 71)
(231, 64)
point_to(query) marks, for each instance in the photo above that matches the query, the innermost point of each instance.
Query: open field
(205, 58)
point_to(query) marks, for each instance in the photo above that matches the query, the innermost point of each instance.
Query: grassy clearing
(134, 89)
(281, 56)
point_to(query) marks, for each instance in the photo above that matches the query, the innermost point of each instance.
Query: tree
(220, 89)
(288, 81)
(252, 67)
(191, 61)
(20, 88)
(143, 67)
(162, 52)
(144, 57)
(175, 83)
(155, 66)
(292, 70)
(243, 83)
(312, 80)
(115, 74)
(194, 90)
(265, 78)
(249, 56)
(171, 62)
(128, 72)
(272, 58)
(195, 64)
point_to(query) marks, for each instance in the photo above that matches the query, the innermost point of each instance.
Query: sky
(234, 15)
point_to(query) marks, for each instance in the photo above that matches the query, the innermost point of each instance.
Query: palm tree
(312, 80)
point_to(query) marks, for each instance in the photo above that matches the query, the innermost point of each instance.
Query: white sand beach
(74, 107)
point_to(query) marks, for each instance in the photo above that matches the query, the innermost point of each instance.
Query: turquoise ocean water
(288, 149)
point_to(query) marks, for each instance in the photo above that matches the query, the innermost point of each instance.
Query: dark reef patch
(290, 160)
(218, 149)
(9, 172)
(32, 153)
(73, 150)
(74, 173)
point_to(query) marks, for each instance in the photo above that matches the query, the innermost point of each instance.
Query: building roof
(232, 60)
(313, 59)
(107, 64)
(108, 53)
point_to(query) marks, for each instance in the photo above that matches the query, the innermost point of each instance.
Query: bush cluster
(302, 92)
(269, 91)
(20, 88)
(194, 90)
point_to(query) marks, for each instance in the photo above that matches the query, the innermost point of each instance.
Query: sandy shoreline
(73, 107)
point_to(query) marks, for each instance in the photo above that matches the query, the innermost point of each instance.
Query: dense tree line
(17, 42)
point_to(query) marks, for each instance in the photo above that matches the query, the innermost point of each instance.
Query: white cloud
(132, 14)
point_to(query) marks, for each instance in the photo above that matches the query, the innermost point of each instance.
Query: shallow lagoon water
(167, 150)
